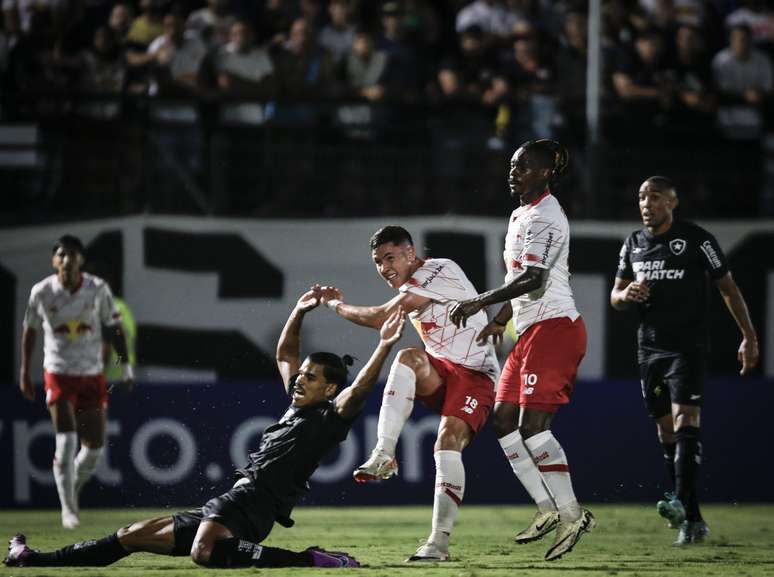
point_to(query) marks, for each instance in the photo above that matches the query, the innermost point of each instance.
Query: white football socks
(64, 469)
(552, 464)
(397, 403)
(449, 490)
(526, 471)
(85, 464)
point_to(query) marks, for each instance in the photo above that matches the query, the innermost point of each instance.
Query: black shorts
(671, 378)
(248, 511)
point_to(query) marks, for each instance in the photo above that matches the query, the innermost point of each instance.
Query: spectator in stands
(468, 76)
(213, 22)
(666, 15)
(337, 37)
(304, 70)
(641, 80)
(759, 16)
(242, 68)
(365, 68)
(102, 66)
(45, 16)
(489, 15)
(274, 22)
(148, 26)
(311, 11)
(695, 99)
(743, 77)
(176, 58)
(528, 79)
(119, 22)
(407, 69)
(571, 76)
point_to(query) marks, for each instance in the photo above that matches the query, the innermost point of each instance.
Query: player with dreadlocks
(539, 373)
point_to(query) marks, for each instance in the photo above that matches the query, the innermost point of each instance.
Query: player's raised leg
(410, 374)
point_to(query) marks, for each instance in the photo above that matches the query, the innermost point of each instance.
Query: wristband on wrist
(128, 371)
(333, 303)
(495, 321)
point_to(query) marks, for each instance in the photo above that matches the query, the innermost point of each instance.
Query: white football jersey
(539, 235)
(444, 282)
(72, 323)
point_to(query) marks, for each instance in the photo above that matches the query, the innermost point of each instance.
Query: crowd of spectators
(680, 66)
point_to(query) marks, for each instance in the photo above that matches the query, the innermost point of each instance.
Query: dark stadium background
(210, 207)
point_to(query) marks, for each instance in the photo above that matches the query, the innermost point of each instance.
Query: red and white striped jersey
(444, 283)
(539, 235)
(72, 323)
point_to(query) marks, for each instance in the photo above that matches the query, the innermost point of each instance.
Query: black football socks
(235, 552)
(687, 465)
(93, 553)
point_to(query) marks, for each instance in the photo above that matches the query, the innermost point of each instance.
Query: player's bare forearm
(29, 338)
(365, 316)
(526, 282)
(737, 306)
(504, 314)
(117, 338)
(351, 400)
(289, 344)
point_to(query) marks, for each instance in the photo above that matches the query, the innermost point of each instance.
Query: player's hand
(327, 293)
(308, 301)
(636, 292)
(392, 329)
(492, 329)
(26, 386)
(462, 310)
(748, 355)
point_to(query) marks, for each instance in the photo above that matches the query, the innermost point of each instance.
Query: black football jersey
(291, 449)
(677, 266)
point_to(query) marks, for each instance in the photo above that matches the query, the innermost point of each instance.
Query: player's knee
(503, 422)
(452, 436)
(530, 430)
(130, 535)
(201, 553)
(413, 358)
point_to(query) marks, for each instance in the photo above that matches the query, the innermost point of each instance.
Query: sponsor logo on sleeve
(711, 254)
(549, 242)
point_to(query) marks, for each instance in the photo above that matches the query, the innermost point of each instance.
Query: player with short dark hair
(227, 530)
(73, 308)
(663, 270)
(453, 375)
(539, 374)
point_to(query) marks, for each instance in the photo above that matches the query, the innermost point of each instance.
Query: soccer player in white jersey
(72, 307)
(539, 374)
(454, 375)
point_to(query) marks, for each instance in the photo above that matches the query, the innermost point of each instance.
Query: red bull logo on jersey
(73, 329)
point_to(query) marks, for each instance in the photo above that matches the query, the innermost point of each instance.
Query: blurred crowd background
(359, 108)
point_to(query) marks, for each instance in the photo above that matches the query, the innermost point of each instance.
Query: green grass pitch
(630, 540)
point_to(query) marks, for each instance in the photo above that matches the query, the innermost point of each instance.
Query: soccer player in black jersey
(227, 530)
(664, 270)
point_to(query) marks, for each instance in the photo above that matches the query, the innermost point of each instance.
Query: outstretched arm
(732, 296)
(531, 279)
(289, 345)
(368, 316)
(351, 400)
